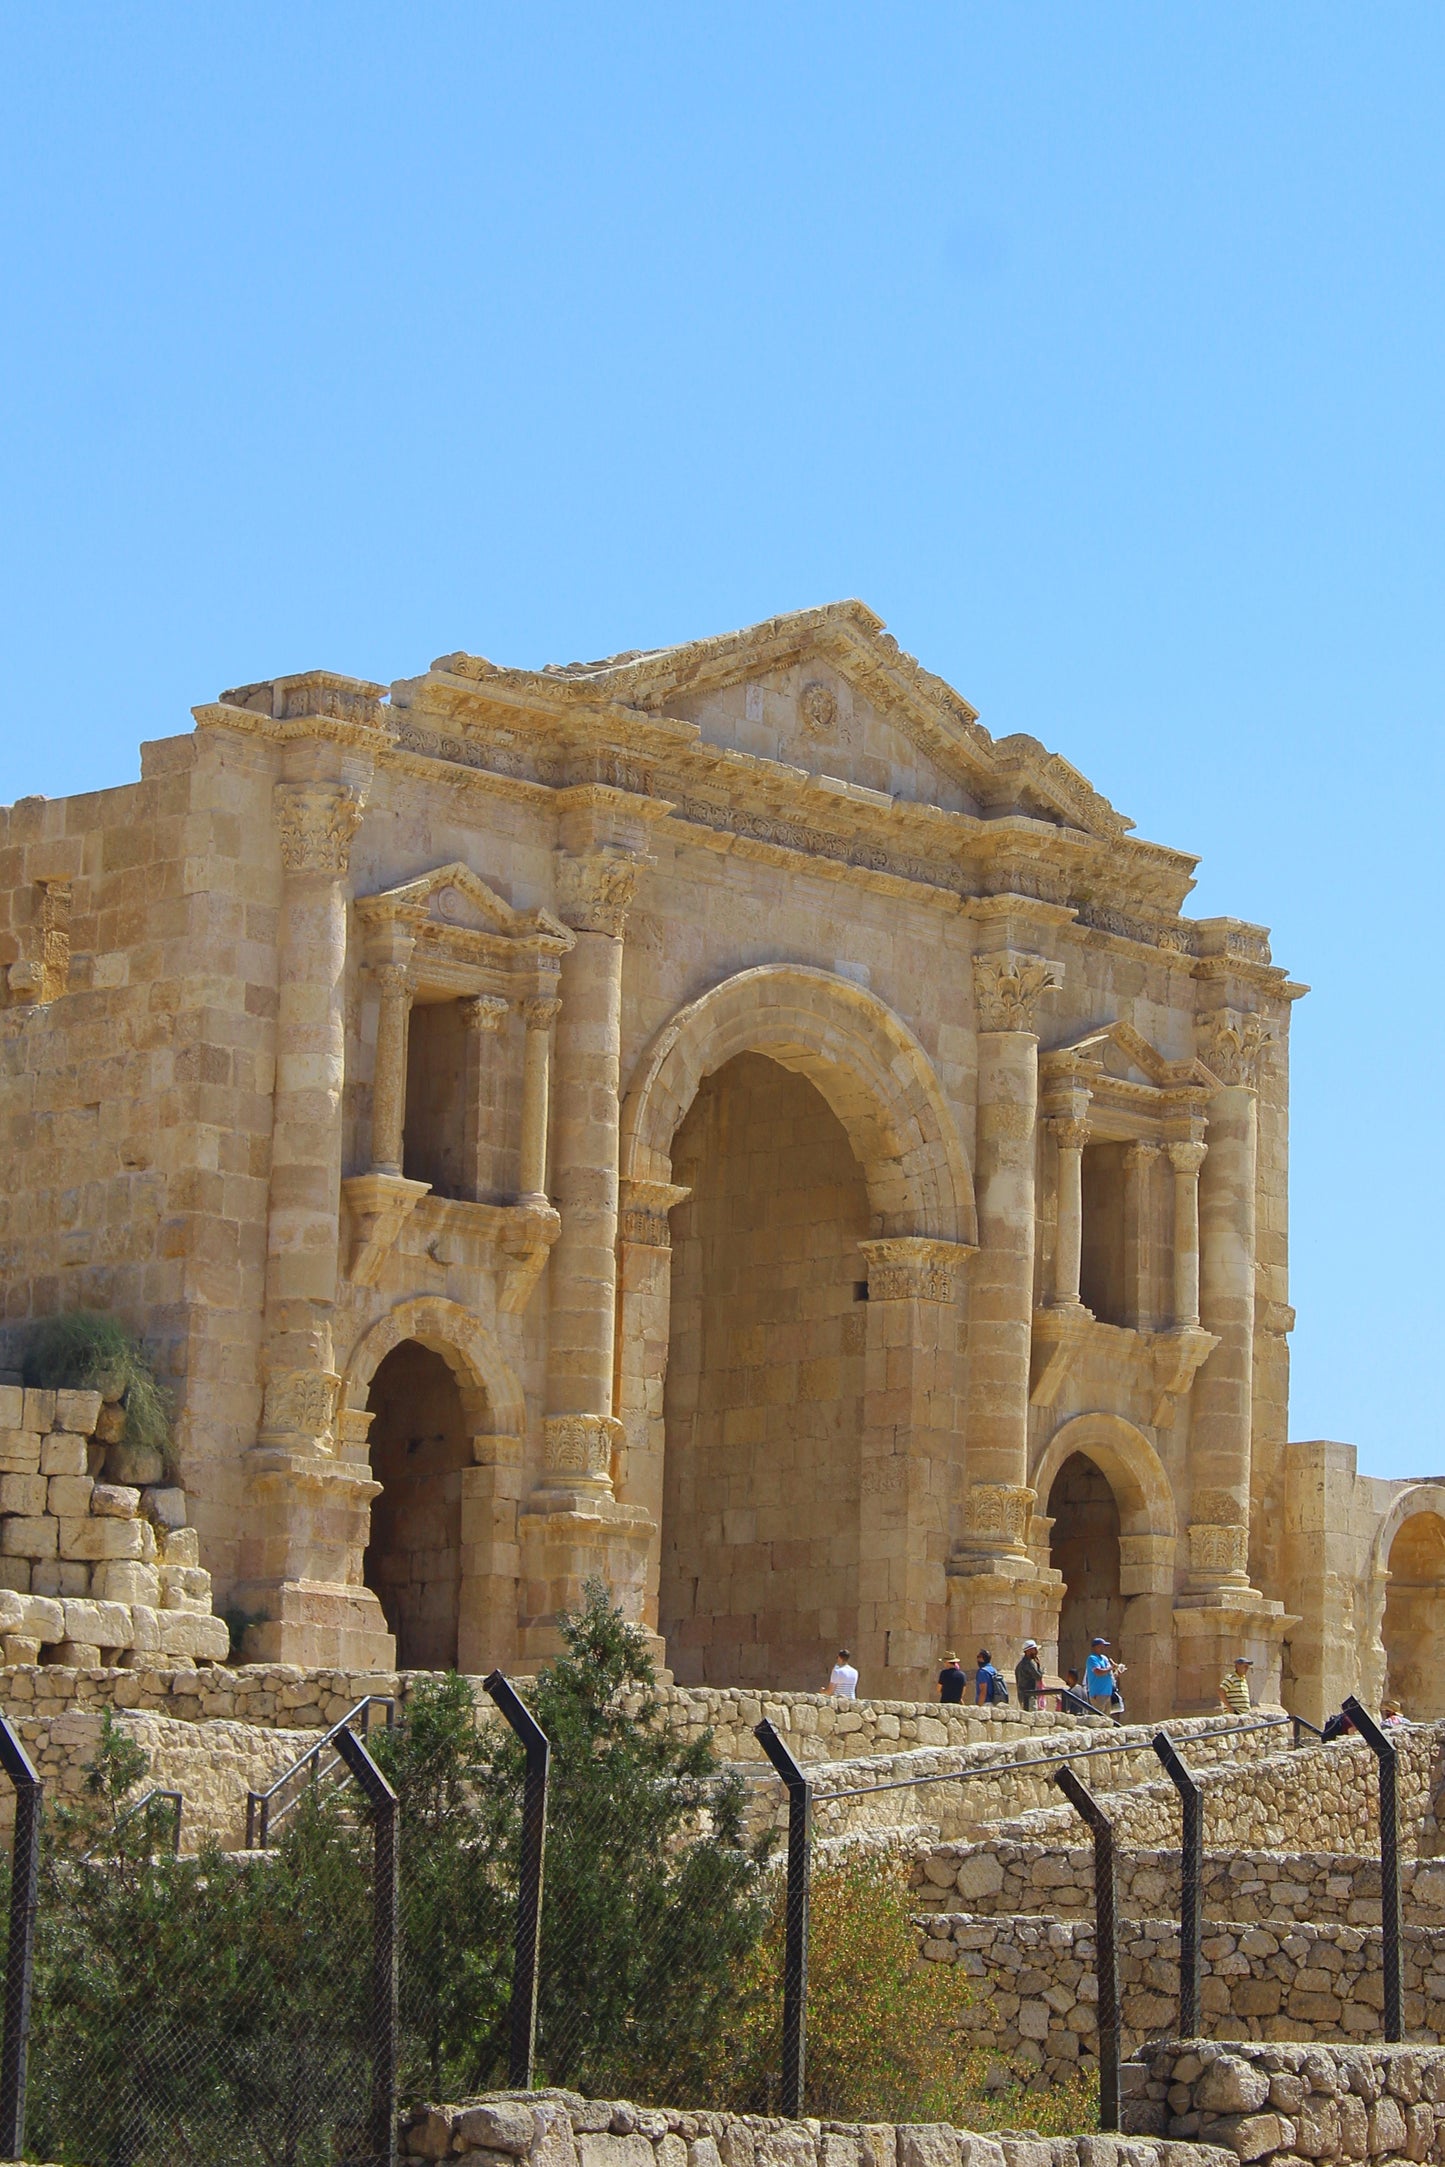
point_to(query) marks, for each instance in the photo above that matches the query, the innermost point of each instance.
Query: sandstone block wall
(560, 2129)
(1294, 2102)
(1321, 1798)
(1008, 1879)
(1038, 1988)
(93, 1569)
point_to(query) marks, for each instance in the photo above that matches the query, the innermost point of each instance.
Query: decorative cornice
(1008, 987)
(315, 823)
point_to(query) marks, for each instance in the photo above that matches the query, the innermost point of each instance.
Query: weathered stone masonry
(371, 1052)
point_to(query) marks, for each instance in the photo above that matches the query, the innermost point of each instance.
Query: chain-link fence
(436, 1908)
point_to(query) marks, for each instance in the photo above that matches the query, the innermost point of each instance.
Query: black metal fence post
(1082, 1799)
(20, 1958)
(1191, 1882)
(382, 1799)
(522, 2048)
(1383, 1749)
(795, 1952)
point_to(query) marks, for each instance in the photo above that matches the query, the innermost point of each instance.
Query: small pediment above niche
(457, 935)
(1134, 1089)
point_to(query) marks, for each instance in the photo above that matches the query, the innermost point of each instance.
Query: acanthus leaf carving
(1232, 1044)
(595, 889)
(1008, 987)
(316, 823)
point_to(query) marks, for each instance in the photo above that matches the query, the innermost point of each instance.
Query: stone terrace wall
(1000, 1879)
(1294, 2102)
(213, 1768)
(1321, 1798)
(960, 1810)
(1293, 1982)
(560, 2129)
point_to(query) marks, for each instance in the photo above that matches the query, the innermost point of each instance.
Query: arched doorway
(1084, 1548)
(1414, 1627)
(420, 1450)
(764, 1390)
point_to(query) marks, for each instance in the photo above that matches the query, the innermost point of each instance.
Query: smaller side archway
(1410, 1565)
(429, 1393)
(1112, 1538)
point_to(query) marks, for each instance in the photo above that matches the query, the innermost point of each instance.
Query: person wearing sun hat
(1234, 1687)
(951, 1679)
(1029, 1675)
(1099, 1677)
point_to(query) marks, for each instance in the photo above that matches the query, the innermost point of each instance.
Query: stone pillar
(573, 1528)
(539, 1014)
(1186, 1160)
(644, 1307)
(1070, 1132)
(1220, 1612)
(1140, 1160)
(309, 1510)
(910, 1422)
(997, 1591)
(483, 1016)
(392, 980)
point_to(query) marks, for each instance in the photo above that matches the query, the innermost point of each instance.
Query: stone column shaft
(1071, 1135)
(1223, 1396)
(388, 1091)
(1186, 1160)
(1139, 1239)
(539, 1016)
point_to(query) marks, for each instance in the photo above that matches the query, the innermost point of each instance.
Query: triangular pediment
(1119, 1051)
(453, 895)
(827, 691)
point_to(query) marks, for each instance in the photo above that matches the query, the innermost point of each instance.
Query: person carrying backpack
(988, 1682)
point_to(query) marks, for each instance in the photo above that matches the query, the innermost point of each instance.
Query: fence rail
(264, 1816)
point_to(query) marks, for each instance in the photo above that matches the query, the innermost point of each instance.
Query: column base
(568, 1538)
(319, 1625)
(998, 1602)
(1213, 1626)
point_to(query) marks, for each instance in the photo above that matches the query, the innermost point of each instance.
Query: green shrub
(87, 1352)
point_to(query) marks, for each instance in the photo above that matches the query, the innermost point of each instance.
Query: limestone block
(23, 1494)
(114, 1501)
(12, 1407)
(110, 1423)
(165, 1505)
(16, 1648)
(39, 1409)
(12, 1611)
(145, 1629)
(126, 1580)
(183, 1632)
(79, 1411)
(29, 1538)
(15, 1573)
(501, 2125)
(59, 1576)
(91, 1538)
(78, 1654)
(135, 1465)
(83, 1621)
(44, 1618)
(182, 1546)
(19, 1452)
(62, 1454)
(185, 1587)
(69, 1495)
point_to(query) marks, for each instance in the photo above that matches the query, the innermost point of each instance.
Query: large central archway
(855, 1142)
(765, 1385)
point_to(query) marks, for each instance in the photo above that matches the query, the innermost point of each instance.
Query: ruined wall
(1316, 2102)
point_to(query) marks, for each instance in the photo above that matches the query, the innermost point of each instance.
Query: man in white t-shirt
(843, 1685)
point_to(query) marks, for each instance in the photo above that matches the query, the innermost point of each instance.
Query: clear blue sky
(1099, 349)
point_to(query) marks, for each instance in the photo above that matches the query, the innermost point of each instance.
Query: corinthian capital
(1187, 1158)
(316, 822)
(595, 890)
(1231, 1044)
(1008, 987)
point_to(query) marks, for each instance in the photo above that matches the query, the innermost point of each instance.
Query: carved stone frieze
(1218, 1549)
(997, 1514)
(1232, 1044)
(1008, 987)
(316, 823)
(580, 1445)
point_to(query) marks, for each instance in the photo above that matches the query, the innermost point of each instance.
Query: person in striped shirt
(1234, 1687)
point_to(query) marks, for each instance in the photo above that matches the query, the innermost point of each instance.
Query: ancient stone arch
(1142, 1601)
(1124, 1455)
(1411, 1672)
(467, 1347)
(862, 1058)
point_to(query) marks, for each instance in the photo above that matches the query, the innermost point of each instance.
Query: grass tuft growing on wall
(86, 1351)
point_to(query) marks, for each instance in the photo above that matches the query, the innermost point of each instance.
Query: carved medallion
(817, 710)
